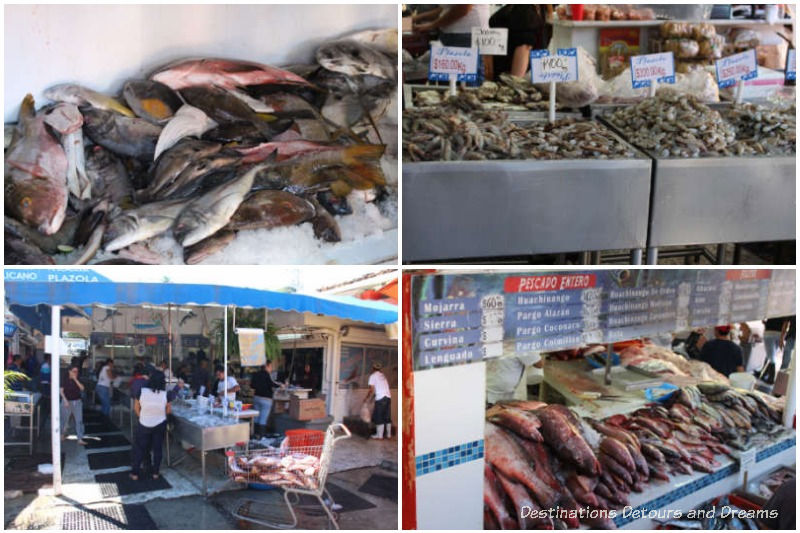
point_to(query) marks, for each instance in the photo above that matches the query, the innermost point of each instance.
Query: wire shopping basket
(297, 469)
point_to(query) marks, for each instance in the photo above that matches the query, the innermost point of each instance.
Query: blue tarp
(31, 293)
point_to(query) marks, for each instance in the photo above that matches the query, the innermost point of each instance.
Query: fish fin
(267, 117)
(365, 176)
(340, 188)
(119, 108)
(27, 110)
(359, 153)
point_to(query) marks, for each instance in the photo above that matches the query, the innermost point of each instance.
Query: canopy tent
(82, 291)
(38, 316)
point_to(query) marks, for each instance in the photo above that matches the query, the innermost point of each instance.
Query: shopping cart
(297, 469)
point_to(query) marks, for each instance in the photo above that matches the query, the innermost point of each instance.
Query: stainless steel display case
(463, 209)
(205, 439)
(23, 405)
(710, 200)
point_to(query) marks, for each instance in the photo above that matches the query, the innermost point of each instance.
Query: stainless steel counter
(463, 209)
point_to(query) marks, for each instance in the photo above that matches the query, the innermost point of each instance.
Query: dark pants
(147, 440)
(382, 414)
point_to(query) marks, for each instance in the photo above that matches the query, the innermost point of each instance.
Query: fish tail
(365, 176)
(359, 153)
(28, 107)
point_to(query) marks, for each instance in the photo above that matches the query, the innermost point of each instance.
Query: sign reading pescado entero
(731, 69)
(652, 67)
(490, 41)
(447, 61)
(559, 67)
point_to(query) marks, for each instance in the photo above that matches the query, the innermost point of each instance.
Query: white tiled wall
(449, 405)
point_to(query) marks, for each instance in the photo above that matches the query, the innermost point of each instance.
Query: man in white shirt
(103, 388)
(382, 413)
(506, 377)
(226, 391)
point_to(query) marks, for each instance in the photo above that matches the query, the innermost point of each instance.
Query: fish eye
(26, 202)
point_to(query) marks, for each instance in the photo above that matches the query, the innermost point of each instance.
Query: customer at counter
(721, 353)
(71, 404)
(382, 412)
(200, 378)
(151, 408)
(226, 390)
(103, 388)
(263, 387)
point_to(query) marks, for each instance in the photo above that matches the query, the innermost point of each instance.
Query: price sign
(791, 75)
(737, 67)
(747, 459)
(492, 350)
(652, 67)
(559, 68)
(490, 41)
(447, 61)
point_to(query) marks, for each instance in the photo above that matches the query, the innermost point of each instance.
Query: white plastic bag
(366, 413)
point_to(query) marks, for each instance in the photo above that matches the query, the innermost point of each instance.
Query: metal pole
(791, 393)
(720, 253)
(652, 256)
(636, 256)
(55, 396)
(607, 377)
(169, 325)
(225, 378)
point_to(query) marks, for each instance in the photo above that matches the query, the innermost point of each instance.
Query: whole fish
(223, 107)
(207, 214)
(353, 58)
(191, 179)
(618, 451)
(508, 458)
(224, 73)
(151, 100)
(142, 223)
(188, 121)
(134, 137)
(521, 422)
(639, 459)
(325, 226)
(581, 489)
(493, 499)
(49, 244)
(17, 251)
(284, 149)
(173, 161)
(616, 468)
(565, 438)
(616, 432)
(71, 93)
(521, 499)
(67, 120)
(108, 175)
(271, 209)
(210, 245)
(239, 132)
(35, 173)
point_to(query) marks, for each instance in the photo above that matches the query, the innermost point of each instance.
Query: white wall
(101, 46)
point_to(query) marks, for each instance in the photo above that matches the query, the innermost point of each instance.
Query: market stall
(515, 169)
(620, 423)
(26, 288)
(290, 161)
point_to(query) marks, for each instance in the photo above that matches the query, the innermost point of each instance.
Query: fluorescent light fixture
(117, 346)
(290, 336)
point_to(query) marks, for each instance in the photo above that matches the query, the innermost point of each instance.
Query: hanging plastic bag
(366, 412)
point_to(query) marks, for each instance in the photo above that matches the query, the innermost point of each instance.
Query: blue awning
(31, 293)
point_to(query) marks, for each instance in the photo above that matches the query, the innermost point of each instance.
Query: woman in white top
(152, 408)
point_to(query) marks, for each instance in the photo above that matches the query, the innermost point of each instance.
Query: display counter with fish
(212, 161)
(517, 188)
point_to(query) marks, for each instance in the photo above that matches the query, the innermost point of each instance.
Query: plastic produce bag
(700, 83)
(366, 412)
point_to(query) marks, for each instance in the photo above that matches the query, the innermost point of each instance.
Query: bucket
(577, 11)
(742, 380)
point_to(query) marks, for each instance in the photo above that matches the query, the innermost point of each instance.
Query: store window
(356, 364)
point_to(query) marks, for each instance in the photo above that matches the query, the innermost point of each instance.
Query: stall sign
(554, 68)
(490, 41)
(791, 74)
(738, 67)
(447, 61)
(652, 67)
(49, 276)
(747, 459)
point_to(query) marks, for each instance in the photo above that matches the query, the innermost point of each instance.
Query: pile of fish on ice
(203, 150)
(543, 457)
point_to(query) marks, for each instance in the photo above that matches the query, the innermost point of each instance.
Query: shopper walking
(382, 412)
(263, 388)
(152, 408)
(103, 389)
(71, 404)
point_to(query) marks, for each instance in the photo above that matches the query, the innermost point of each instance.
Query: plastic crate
(305, 437)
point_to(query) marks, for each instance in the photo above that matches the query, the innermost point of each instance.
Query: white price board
(652, 67)
(747, 459)
(492, 334)
(492, 302)
(490, 41)
(447, 61)
(490, 319)
(737, 67)
(559, 67)
(494, 349)
(791, 74)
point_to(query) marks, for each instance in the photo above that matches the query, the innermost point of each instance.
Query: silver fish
(71, 93)
(354, 59)
(67, 120)
(207, 214)
(189, 121)
(134, 137)
(139, 224)
(173, 161)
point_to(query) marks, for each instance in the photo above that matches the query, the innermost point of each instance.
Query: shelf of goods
(459, 209)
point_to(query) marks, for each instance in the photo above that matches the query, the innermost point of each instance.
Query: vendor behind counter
(506, 377)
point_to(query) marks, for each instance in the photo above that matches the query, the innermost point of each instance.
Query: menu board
(463, 318)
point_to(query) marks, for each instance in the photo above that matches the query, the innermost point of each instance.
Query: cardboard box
(279, 406)
(306, 409)
(781, 383)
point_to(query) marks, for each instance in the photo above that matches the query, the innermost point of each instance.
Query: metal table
(21, 404)
(463, 209)
(205, 438)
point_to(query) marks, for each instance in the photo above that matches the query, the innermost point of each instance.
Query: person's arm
(169, 408)
(78, 383)
(137, 407)
(450, 15)
(63, 396)
(426, 16)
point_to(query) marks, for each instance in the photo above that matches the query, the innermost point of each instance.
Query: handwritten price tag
(448, 60)
(649, 67)
(791, 74)
(490, 41)
(559, 68)
(737, 67)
